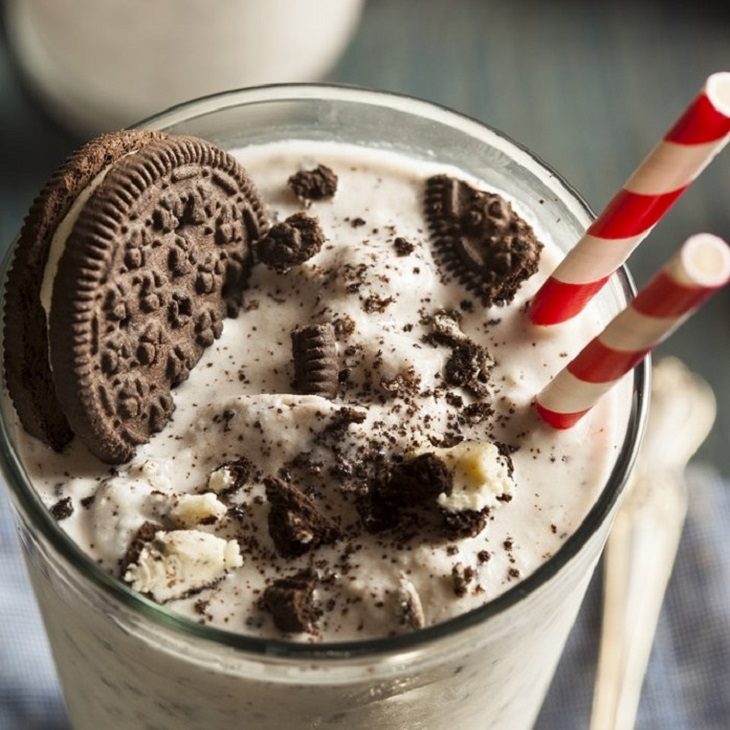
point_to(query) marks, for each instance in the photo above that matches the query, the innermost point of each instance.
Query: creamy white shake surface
(189, 520)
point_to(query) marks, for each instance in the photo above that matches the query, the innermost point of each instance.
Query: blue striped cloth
(686, 686)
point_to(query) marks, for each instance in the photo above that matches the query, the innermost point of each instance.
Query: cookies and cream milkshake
(354, 456)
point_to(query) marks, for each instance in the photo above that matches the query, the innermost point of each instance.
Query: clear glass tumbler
(127, 663)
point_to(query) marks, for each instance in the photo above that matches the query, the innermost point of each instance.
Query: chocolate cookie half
(479, 239)
(157, 258)
(27, 372)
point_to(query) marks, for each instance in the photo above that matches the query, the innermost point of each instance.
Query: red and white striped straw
(701, 267)
(687, 148)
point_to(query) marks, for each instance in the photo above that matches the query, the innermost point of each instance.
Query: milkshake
(353, 486)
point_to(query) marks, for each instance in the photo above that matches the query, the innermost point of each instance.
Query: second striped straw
(699, 269)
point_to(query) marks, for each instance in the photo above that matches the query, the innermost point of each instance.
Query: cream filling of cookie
(60, 237)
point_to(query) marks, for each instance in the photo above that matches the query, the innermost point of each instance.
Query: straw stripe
(690, 277)
(597, 257)
(689, 146)
(600, 363)
(654, 301)
(671, 166)
(633, 330)
(702, 121)
(562, 300)
(559, 420)
(631, 214)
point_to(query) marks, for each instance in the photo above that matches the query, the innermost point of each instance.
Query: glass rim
(381, 647)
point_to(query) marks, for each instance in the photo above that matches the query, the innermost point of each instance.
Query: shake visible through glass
(414, 627)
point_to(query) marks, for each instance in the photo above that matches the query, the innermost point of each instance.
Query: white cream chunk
(480, 475)
(220, 480)
(179, 562)
(194, 509)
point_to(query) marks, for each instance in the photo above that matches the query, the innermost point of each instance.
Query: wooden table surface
(589, 87)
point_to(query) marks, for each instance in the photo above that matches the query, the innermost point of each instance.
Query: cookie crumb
(63, 509)
(316, 184)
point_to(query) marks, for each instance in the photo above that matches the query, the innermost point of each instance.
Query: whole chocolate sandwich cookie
(135, 251)
(26, 361)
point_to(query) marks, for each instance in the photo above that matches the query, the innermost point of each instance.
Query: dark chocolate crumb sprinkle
(290, 601)
(376, 303)
(316, 184)
(225, 418)
(87, 502)
(62, 509)
(343, 418)
(476, 412)
(483, 556)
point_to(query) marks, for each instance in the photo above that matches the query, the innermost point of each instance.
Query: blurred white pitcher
(103, 64)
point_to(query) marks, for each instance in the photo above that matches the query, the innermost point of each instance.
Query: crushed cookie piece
(290, 243)
(290, 601)
(468, 367)
(483, 556)
(403, 247)
(316, 367)
(231, 476)
(476, 412)
(343, 418)
(466, 523)
(344, 326)
(296, 524)
(87, 502)
(415, 482)
(480, 239)
(201, 607)
(376, 303)
(408, 605)
(454, 399)
(461, 577)
(316, 184)
(445, 328)
(403, 384)
(63, 509)
(145, 533)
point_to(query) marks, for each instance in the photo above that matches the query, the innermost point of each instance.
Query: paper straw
(687, 148)
(700, 268)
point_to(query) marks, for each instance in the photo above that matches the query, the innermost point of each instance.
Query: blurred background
(587, 86)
